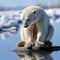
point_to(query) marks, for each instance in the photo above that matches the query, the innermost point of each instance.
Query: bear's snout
(25, 26)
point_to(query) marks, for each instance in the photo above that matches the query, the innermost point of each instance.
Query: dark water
(7, 45)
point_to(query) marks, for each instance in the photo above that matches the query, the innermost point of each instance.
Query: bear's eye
(27, 19)
(34, 12)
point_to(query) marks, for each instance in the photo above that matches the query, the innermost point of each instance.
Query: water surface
(7, 45)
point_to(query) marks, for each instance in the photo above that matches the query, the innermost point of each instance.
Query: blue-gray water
(7, 45)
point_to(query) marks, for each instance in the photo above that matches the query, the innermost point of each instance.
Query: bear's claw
(20, 44)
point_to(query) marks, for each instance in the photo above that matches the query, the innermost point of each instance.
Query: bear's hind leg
(49, 36)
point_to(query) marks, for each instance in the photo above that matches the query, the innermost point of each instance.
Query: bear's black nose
(25, 26)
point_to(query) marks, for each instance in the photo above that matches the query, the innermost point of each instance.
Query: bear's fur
(36, 28)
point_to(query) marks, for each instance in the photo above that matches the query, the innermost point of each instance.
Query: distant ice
(9, 23)
(54, 15)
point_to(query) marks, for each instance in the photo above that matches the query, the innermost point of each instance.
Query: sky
(14, 3)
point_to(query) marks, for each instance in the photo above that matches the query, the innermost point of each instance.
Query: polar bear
(36, 29)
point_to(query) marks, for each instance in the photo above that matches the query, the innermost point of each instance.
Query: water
(7, 45)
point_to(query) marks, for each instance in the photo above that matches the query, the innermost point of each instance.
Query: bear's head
(30, 15)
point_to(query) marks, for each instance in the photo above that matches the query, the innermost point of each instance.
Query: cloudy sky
(14, 3)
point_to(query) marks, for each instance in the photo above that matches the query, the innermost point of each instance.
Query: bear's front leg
(42, 31)
(22, 42)
(28, 38)
(39, 42)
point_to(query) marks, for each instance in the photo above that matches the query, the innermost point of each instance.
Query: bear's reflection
(34, 56)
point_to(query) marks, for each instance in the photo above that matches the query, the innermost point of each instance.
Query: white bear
(36, 28)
